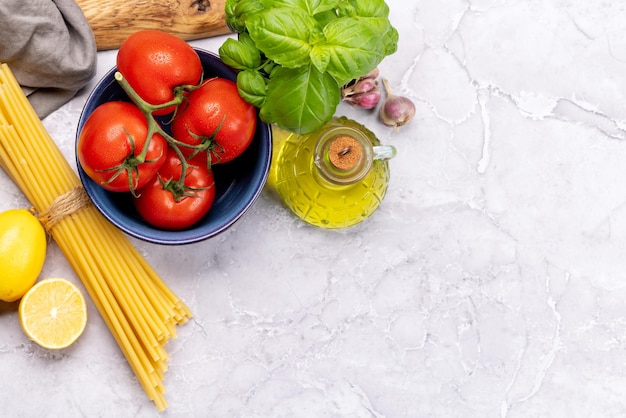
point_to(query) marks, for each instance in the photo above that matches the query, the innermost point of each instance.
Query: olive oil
(333, 178)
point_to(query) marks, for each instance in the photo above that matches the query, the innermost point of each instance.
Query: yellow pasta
(138, 307)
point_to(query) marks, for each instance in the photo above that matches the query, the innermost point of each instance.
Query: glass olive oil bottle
(333, 178)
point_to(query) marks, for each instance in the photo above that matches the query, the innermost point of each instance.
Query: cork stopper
(344, 152)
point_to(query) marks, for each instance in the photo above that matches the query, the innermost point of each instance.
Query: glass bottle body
(319, 192)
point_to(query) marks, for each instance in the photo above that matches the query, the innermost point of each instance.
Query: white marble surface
(489, 284)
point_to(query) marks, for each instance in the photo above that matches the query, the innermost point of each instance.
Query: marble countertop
(490, 283)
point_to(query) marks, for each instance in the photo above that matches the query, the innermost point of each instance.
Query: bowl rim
(101, 197)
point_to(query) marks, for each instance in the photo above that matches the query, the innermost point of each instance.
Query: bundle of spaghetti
(137, 306)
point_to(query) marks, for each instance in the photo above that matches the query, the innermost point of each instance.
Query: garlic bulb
(362, 92)
(396, 111)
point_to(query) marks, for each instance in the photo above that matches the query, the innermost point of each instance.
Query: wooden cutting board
(112, 21)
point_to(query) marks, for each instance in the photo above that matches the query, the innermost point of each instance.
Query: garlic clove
(361, 86)
(367, 100)
(362, 92)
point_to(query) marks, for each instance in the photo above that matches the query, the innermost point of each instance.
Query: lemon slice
(53, 313)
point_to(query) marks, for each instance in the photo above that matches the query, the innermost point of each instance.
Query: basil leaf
(346, 9)
(229, 8)
(231, 17)
(319, 6)
(284, 35)
(268, 67)
(370, 8)
(387, 34)
(320, 57)
(238, 11)
(239, 55)
(245, 38)
(300, 99)
(252, 87)
(354, 49)
(390, 41)
(310, 6)
(379, 25)
(375, 14)
(325, 18)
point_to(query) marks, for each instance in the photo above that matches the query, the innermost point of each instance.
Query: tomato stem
(153, 126)
(143, 105)
(180, 190)
(208, 144)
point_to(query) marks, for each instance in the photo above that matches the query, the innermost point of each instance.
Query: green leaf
(268, 67)
(354, 49)
(320, 57)
(375, 14)
(378, 25)
(300, 99)
(390, 41)
(284, 35)
(252, 87)
(310, 6)
(229, 8)
(231, 16)
(324, 18)
(370, 8)
(320, 6)
(346, 9)
(239, 55)
(245, 38)
(238, 11)
(386, 33)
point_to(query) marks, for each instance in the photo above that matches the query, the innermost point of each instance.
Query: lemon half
(53, 313)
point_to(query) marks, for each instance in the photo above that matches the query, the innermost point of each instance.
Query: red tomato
(109, 143)
(155, 62)
(165, 204)
(218, 119)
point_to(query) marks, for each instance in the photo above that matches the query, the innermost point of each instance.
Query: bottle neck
(343, 155)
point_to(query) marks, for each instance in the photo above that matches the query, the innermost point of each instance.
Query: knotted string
(63, 206)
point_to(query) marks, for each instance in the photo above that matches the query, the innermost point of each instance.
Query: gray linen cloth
(50, 48)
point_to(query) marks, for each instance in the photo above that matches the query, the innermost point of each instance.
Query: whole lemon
(22, 252)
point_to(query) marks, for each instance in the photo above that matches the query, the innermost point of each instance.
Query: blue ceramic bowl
(238, 183)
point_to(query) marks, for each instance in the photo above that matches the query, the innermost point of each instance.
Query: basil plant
(293, 56)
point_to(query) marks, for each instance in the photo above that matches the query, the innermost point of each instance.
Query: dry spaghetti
(139, 309)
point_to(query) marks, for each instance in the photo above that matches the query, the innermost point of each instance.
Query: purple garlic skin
(363, 92)
(362, 85)
(396, 111)
(367, 100)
